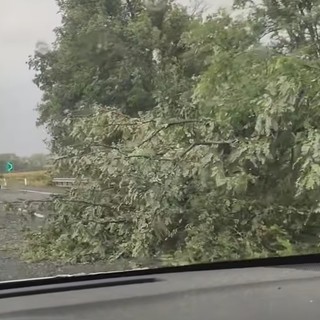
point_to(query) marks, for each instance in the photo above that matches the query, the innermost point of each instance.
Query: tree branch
(61, 199)
(130, 8)
(198, 7)
(167, 125)
(206, 143)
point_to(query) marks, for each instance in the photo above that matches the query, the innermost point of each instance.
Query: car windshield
(147, 133)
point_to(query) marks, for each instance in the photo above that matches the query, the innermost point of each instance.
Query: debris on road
(12, 267)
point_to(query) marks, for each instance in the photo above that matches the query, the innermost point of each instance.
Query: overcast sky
(22, 24)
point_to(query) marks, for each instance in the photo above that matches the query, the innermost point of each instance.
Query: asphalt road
(11, 236)
(18, 194)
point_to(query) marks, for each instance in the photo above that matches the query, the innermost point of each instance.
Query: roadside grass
(34, 178)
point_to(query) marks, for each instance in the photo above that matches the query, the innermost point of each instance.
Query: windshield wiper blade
(43, 288)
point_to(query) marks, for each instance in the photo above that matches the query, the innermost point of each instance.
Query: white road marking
(38, 215)
(39, 192)
(31, 191)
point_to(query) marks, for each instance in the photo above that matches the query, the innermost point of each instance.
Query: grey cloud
(22, 24)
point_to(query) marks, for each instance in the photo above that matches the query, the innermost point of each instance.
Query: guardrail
(65, 182)
(58, 182)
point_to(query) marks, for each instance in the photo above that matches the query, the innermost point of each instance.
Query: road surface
(11, 235)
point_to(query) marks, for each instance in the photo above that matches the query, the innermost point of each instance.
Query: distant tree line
(35, 162)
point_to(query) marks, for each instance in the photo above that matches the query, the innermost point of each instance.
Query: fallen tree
(224, 165)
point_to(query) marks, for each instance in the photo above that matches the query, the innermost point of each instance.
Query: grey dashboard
(288, 292)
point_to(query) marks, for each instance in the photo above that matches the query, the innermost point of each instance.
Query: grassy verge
(34, 178)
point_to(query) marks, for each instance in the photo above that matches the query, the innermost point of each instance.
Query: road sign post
(9, 166)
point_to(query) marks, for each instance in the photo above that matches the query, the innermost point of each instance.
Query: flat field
(33, 178)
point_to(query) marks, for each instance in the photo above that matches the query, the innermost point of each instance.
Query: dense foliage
(199, 137)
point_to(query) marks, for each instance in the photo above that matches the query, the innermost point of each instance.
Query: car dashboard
(272, 292)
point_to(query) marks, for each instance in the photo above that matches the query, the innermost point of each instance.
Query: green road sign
(9, 166)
